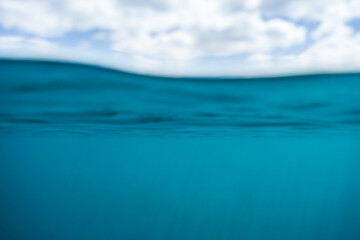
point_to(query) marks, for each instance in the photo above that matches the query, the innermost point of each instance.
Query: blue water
(92, 153)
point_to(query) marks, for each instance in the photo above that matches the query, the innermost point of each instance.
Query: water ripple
(40, 95)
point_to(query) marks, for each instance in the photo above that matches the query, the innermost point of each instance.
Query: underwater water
(92, 153)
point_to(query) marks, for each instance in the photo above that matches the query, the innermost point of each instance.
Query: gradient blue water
(92, 153)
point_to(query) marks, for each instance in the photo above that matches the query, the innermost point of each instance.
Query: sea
(88, 152)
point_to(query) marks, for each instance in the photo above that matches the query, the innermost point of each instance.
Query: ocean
(88, 152)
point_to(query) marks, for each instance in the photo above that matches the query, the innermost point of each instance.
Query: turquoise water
(93, 153)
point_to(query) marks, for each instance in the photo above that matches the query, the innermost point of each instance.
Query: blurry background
(91, 153)
(183, 37)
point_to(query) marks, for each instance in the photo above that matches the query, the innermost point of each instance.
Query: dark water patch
(221, 98)
(276, 124)
(151, 119)
(205, 94)
(351, 122)
(125, 121)
(307, 106)
(4, 115)
(208, 115)
(215, 97)
(70, 86)
(354, 112)
(89, 113)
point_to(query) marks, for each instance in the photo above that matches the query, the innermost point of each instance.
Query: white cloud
(172, 32)
(9, 43)
(333, 52)
(259, 57)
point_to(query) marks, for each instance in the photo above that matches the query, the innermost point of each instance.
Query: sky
(187, 37)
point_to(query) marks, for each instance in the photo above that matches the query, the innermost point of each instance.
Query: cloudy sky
(187, 37)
